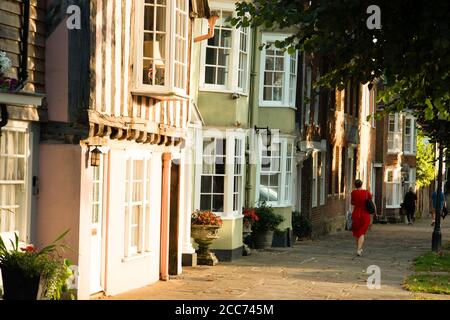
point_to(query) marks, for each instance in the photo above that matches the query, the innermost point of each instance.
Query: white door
(96, 231)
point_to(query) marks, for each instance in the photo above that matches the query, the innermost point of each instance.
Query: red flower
(250, 216)
(206, 218)
(28, 248)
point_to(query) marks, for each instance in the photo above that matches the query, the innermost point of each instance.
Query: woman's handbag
(370, 206)
(444, 212)
(348, 221)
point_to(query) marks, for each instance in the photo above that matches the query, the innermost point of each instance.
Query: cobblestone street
(321, 269)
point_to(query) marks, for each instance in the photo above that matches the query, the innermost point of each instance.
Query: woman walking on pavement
(409, 203)
(360, 215)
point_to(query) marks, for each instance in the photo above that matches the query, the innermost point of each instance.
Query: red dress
(360, 215)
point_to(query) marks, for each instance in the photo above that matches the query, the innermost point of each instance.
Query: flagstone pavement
(326, 268)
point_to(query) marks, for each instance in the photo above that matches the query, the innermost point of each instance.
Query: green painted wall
(278, 118)
(230, 235)
(221, 110)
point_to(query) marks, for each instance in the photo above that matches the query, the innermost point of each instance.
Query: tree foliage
(410, 54)
(425, 161)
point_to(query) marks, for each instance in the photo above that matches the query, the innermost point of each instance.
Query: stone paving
(326, 268)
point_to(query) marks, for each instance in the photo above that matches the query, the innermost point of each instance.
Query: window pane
(211, 56)
(206, 185)
(218, 183)
(205, 202)
(218, 203)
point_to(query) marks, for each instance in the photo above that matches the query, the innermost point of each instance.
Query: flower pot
(204, 235)
(263, 239)
(17, 286)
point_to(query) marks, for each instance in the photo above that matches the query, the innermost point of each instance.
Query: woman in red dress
(360, 215)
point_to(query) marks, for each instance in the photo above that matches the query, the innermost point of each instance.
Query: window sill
(263, 105)
(137, 257)
(166, 95)
(223, 90)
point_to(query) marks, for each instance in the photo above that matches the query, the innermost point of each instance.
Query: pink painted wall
(59, 195)
(57, 73)
(64, 203)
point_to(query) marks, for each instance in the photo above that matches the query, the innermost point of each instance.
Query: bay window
(393, 188)
(213, 175)
(270, 175)
(225, 57)
(276, 173)
(137, 206)
(394, 133)
(279, 74)
(222, 173)
(14, 146)
(162, 46)
(289, 168)
(238, 173)
(409, 138)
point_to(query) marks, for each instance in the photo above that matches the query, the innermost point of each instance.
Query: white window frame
(23, 231)
(229, 136)
(285, 103)
(170, 82)
(314, 180)
(411, 138)
(396, 135)
(231, 83)
(396, 187)
(143, 225)
(323, 170)
(289, 174)
(282, 181)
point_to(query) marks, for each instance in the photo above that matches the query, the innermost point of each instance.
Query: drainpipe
(23, 74)
(212, 23)
(252, 117)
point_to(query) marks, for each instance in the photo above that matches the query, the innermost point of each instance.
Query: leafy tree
(424, 161)
(410, 54)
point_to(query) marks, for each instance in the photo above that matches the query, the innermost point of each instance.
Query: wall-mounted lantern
(269, 135)
(96, 156)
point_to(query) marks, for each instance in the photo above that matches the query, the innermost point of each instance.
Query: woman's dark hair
(358, 183)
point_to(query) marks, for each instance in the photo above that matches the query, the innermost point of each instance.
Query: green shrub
(301, 225)
(268, 220)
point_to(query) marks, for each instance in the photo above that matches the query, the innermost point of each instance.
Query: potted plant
(264, 228)
(250, 217)
(204, 228)
(301, 226)
(31, 274)
(6, 84)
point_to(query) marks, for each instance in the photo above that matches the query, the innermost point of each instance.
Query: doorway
(174, 218)
(96, 230)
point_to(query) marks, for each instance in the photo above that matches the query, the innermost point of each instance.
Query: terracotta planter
(16, 286)
(263, 239)
(204, 236)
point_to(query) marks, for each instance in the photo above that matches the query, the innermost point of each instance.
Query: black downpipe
(23, 73)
